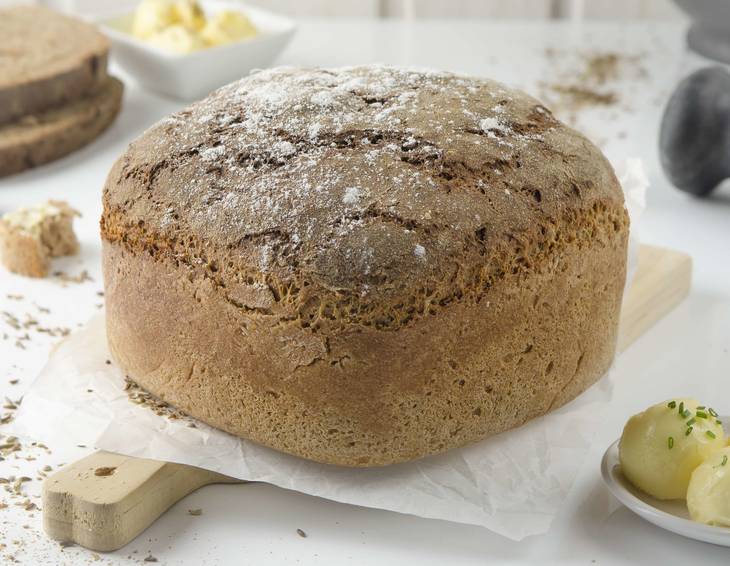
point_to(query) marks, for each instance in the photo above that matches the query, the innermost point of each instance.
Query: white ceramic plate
(193, 75)
(670, 515)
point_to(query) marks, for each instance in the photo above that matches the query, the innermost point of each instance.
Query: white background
(686, 354)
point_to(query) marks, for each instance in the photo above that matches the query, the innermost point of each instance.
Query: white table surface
(685, 354)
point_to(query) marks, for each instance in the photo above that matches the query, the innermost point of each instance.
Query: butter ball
(177, 39)
(708, 494)
(228, 26)
(153, 16)
(661, 447)
(189, 14)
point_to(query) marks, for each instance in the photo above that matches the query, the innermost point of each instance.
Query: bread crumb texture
(363, 265)
(30, 237)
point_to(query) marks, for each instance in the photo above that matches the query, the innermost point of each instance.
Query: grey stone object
(694, 138)
(709, 34)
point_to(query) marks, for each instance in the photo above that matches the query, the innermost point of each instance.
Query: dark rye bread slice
(46, 59)
(37, 139)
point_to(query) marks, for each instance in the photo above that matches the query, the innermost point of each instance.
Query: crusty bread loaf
(363, 266)
(37, 139)
(46, 60)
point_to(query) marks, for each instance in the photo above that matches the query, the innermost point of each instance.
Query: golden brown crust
(367, 265)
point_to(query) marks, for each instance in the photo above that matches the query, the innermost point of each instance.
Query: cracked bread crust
(366, 265)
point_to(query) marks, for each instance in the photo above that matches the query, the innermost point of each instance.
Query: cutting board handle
(105, 500)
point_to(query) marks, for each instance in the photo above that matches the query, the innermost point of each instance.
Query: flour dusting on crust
(344, 172)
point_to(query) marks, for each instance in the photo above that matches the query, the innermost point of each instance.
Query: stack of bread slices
(55, 93)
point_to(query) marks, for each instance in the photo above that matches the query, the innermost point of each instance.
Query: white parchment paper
(513, 484)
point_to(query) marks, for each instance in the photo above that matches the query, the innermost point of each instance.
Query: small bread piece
(46, 60)
(30, 237)
(34, 140)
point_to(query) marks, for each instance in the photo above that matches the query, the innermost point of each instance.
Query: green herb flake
(681, 408)
(724, 460)
(718, 421)
(688, 431)
(701, 415)
(712, 412)
(691, 421)
(700, 407)
(686, 413)
(710, 434)
(670, 442)
(672, 404)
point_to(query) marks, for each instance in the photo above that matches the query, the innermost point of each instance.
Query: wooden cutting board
(105, 500)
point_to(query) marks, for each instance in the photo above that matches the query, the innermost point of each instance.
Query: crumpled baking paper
(513, 484)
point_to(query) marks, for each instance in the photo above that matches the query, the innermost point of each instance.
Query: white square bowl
(193, 75)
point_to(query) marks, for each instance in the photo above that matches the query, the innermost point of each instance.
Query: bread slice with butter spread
(31, 236)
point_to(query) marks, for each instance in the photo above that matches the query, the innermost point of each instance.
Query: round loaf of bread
(363, 266)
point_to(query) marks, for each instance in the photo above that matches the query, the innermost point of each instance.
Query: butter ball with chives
(661, 446)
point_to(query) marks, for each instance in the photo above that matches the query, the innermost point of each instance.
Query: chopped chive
(691, 421)
(686, 413)
(724, 460)
(700, 407)
(681, 408)
(688, 431)
(718, 421)
(701, 414)
(672, 404)
(710, 434)
(670, 442)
